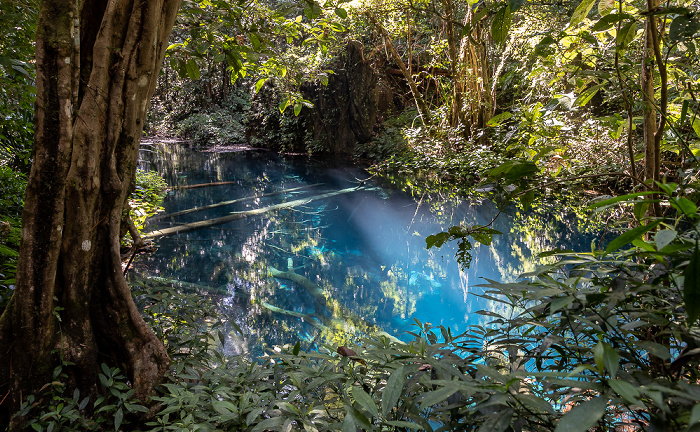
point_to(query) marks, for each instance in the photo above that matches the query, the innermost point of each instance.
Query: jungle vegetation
(492, 98)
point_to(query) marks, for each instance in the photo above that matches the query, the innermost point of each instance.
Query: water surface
(365, 248)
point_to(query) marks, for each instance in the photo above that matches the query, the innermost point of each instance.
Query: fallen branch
(242, 215)
(225, 203)
(201, 185)
(318, 321)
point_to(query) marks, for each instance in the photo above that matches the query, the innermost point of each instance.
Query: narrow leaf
(365, 400)
(392, 391)
(629, 236)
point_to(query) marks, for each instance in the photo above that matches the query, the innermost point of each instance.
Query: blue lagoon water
(365, 248)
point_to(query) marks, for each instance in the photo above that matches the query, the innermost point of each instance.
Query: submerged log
(338, 310)
(201, 185)
(319, 321)
(225, 203)
(244, 214)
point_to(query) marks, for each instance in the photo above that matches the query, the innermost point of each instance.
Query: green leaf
(664, 237)
(685, 206)
(626, 35)
(655, 349)
(605, 7)
(626, 390)
(342, 13)
(628, 197)
(497, 422)
(4, 250)
(192, 69)
(501, 24)
(696, 126)
(598, 353)
(404, 424)
(118, 417)
(514, 5)
(583, 416)
(611, 359)
(683, 28)
(284, 103)
(260, 84)
(437, 396)
(588, 94)
(497, 120)
(297, 108)
(365, 400)
(581, 12)
(297, 348)
(629, 236)
(392, 391)
(271, 423)
(203, 47)
(684, 111)
(691, 287)
(694, 415)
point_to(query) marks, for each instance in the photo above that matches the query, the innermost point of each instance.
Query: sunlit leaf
(630, 235)
(581, 12)
(605, 7)
(501, 24)
(626, 35)
(192, 69)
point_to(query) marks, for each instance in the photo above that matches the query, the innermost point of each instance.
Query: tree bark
(653, 132)
(97, 64)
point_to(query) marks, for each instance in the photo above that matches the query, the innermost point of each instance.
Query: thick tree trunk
(97, 64)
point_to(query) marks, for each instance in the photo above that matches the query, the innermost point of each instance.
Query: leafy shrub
(58, 408)
(12, 187)
(147, 197)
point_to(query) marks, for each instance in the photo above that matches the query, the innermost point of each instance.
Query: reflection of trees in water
(384, 290)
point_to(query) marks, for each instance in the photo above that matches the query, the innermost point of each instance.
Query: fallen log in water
(344, 313)
(318, 321)
(225, 203)
(201, 185)
(243, 214)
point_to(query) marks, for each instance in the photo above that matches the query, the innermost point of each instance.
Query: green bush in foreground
(606, 339)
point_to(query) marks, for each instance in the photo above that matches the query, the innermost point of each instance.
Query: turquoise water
(364, 248)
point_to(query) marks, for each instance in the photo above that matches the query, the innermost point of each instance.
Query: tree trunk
(456, 111)
(97, 64)
(653, 132)
(473, 80)
(423, 109)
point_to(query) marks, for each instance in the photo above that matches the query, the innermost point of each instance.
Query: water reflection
(363, 249)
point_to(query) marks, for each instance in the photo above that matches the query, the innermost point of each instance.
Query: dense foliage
(499, 95)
